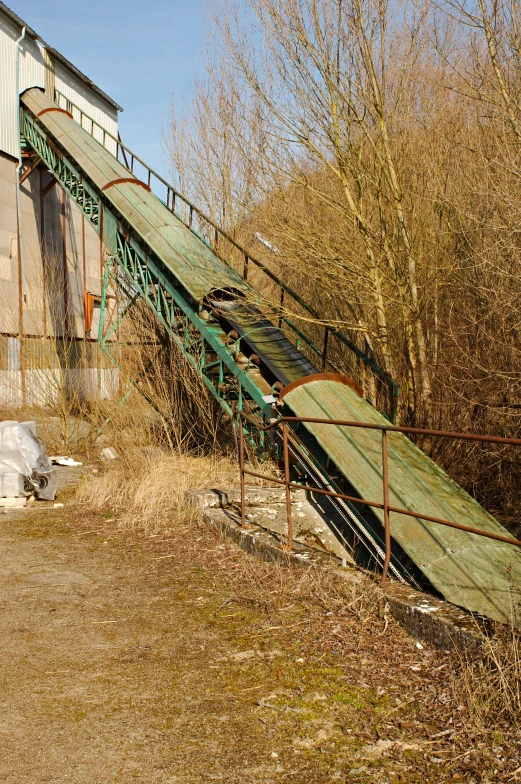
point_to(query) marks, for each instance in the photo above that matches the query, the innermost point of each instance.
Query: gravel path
(108, 675)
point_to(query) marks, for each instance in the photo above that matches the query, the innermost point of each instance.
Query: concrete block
(33, 321)
(8, 314)
(5, 267)
(13, 503)
(8, 213)
(12, 484)
(11, 388)
(93, 270)
(231, 496)
(6, 238)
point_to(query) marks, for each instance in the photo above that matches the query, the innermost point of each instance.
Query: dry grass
(146, 491)
(490, 686)
(464, 713)
(150, 486)
(145, 487)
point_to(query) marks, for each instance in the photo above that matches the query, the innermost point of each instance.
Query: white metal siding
(8, 99)
(33, 68)
(32, 65)
(105, 115)
(32, 74)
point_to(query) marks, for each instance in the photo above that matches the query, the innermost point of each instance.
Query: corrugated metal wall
(32, 65)
(93, 105)
(8, 102)
(32, 74)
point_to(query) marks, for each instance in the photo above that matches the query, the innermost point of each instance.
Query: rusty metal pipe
(441, 521)
(331, 493)
(324, 349)
(387, 520)
(396, 429)
(287, 483)
(388, 428)
(242, 472)
(386, 507)
(396, 509)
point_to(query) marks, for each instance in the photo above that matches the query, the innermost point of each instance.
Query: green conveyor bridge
(240, 345)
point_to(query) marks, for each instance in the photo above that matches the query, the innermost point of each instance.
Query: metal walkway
(215, 317)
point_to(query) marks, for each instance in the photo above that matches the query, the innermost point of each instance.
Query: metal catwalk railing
(322, 348)
(282, 425)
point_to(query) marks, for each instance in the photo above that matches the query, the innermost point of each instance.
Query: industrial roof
(33, 34)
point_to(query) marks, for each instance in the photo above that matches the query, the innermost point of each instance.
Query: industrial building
(51, 259)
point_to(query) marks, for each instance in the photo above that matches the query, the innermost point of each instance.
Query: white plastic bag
(22, 454)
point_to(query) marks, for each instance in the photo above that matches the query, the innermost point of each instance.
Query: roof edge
(33, 34)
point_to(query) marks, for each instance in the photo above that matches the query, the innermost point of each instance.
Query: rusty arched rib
(338, 377)
(122, 180)
(55, 109)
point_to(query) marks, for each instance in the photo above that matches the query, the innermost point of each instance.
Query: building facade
(51, 259)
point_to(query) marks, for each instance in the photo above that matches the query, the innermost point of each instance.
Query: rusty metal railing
(282, 423)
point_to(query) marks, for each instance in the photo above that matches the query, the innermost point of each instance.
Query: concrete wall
(43, 280)
(50, 256)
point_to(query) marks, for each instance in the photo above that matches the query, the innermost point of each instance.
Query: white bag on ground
(24, 466)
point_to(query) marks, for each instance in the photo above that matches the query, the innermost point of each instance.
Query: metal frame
(207, 349)
(282, 424)
(207, 230)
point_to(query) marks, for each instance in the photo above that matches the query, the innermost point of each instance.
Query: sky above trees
(137, 52)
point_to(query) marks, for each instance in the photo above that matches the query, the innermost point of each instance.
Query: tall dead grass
(150, 485)
(489, 686)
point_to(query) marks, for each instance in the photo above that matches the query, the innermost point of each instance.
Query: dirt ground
(133, 658)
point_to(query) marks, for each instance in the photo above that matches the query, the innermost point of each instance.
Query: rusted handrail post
(282, 292)
(241, 464)
(287, 486)
(324, 350)
(387, 521)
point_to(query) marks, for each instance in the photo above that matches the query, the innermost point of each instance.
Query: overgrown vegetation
(377, 146)
(387, 697)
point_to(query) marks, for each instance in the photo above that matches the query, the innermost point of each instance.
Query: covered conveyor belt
(213, 315)
(477, 573)
(270, 344)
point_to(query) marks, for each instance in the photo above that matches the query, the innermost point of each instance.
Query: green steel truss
(64, 170)
(201, 339)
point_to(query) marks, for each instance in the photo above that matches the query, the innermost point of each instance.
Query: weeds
(150, 485)
(329, 619)
(490, 685)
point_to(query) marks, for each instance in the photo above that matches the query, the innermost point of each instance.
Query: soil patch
(177, 657)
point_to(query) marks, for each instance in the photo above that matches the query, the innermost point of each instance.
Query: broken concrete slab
(425, 617)
(230, 496)
(266, 507)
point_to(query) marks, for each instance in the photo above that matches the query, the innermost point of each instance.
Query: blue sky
(137, 51)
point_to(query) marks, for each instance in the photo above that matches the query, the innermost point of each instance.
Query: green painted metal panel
(153, 278)
(194, 264)
(476, 573)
